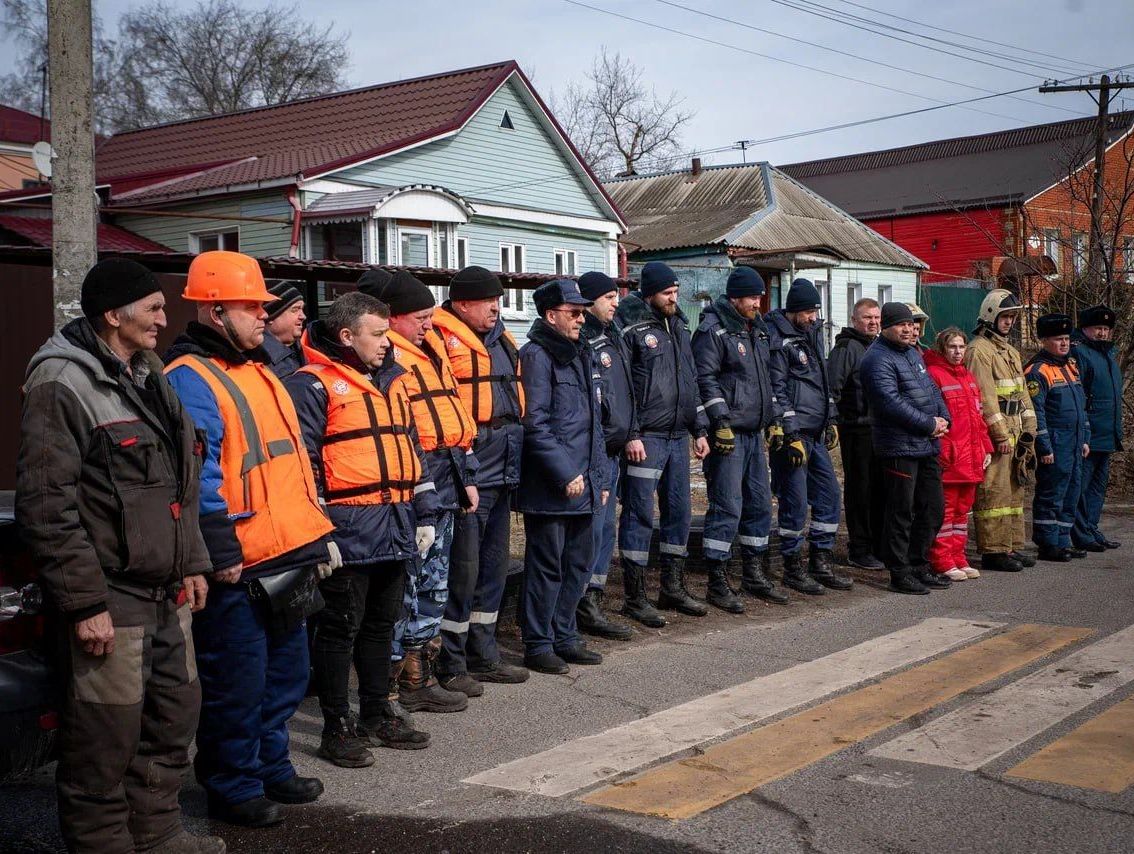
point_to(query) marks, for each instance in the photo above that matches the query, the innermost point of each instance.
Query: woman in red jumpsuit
(965, 451)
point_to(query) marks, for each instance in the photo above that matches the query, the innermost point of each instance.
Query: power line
(856, 56)
(845, 20)
(967, 35)
(777, 59)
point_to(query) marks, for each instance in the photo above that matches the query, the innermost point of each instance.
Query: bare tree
(617, 122)
(168, 64)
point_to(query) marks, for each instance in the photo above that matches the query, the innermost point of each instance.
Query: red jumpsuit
(963, 450)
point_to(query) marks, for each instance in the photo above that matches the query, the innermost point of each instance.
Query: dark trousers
(478, 570)
(1057, 491)
(252, 681)
(862, 490)
(557, 558)
(811, 487)
(740, 499)
(127, 722)
(357, 623)
(665, 471)
(1092, 496)
(915, 509)
(604, 529)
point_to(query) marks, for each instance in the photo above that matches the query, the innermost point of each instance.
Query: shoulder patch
(1033, 388)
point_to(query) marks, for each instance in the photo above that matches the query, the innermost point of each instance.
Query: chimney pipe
(696, 166)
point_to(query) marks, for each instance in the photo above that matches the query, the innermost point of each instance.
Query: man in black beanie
(730, 348)
(122, 565)
(801, 462)
(669, 412)
(485, 361)
(284, 328)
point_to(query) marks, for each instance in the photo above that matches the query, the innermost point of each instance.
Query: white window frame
(427, 233)
(195, 238)
(885, 294)
(462, 256)
(824, 288)
(514, 303)
(1079, 249)
(1128, 258)
(1052, 247)
(854, 294)
(561, 259)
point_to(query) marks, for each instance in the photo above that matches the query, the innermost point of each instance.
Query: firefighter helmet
(916, 311)
(222, 276)
(997, 303)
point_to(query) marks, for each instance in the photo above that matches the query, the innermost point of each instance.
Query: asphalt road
(848, 801)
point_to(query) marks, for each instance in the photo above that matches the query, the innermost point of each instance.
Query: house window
(445, 262)
(462, 252)
(566, 262)
(506, 122)
(854, 294)
(1079, 251)
(211, 241)
(1051, 246)
(1128, 258)
(512, 261)
(342, 242)
(413, 247)
(824, 289)
(885, 294)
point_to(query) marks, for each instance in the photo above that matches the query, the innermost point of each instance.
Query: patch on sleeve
(1033, 388)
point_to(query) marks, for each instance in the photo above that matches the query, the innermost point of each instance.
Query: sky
(739, 81)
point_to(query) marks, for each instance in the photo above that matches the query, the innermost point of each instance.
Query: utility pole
(75, 218)
(1104, 87)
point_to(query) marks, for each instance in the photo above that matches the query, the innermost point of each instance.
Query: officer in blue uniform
(563, 477)
(1093, 351)
(730, 348)
(669, 412)
(802, 474)
(611, 366)
(1063, 437)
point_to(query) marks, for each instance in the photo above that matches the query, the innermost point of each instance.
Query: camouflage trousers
(427, 591)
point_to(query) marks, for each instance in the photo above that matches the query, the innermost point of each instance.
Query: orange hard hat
(225, 277)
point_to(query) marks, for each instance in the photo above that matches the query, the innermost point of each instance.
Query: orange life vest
(472, 365)
(368, 453)
(441, 419)
(266, 480)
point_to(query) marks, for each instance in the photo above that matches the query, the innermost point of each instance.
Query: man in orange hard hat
(267, 538)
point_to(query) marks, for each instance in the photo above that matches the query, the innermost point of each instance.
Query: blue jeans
(427, 591)
(1092, 496)
(251, 685)
(811, 486)
(666, 472)
(740, 499)
(603, 530)
(556, 558)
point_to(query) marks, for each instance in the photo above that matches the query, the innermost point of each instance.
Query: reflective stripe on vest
(260, 457)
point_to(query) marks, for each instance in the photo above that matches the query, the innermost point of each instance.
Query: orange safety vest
(472, 365)
(266, 478)
(368, 453)
(441, 419)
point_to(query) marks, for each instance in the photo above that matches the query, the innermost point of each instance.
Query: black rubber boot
(342, 745)
(797, 579)
(902, 581)
(719, 593)
(673, 594)
(636, 606)
(593, 621)
(821, 567)
(755, 580)
(1000, 562)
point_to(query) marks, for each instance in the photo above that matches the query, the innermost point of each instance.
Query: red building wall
(949, 242)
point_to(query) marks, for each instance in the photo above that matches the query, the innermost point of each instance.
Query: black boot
(258, 812)
(1025, 559)
(673, 594)
(636, 606)
(822, 569)
(755, 580)
(1054, 554)
(903, 581)
(295, 790)
(719, 594)
(797, 579)
(342, 745)
(1000, 562)
(929, 578)
(593, 621)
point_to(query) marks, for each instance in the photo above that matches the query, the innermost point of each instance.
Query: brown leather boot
(419, 690)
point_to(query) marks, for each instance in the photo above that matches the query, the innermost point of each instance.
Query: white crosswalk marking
(974, 735)
(587, 761)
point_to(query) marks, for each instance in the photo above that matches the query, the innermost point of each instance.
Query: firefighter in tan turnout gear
(1007, 409)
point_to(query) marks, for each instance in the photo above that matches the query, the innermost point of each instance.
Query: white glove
(426, 534)
(334, 560)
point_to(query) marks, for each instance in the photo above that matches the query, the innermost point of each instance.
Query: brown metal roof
(754, 207)
(985, 170)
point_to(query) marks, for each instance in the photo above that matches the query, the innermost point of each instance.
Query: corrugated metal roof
(989, 169)
(22, 127)
(111, 238)
(754, 207)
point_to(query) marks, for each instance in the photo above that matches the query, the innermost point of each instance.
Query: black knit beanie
(113, 283)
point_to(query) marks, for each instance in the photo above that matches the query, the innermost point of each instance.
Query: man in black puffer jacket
(909, 416)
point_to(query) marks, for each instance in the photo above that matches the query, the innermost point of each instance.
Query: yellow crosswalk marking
(1098, 755)
(687, 787)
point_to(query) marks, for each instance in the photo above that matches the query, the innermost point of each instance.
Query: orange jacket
(472, 365)
(441, 418)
